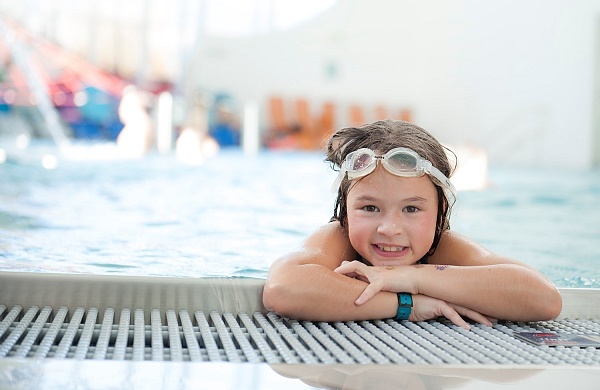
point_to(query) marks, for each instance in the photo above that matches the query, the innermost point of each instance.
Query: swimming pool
(233, 215)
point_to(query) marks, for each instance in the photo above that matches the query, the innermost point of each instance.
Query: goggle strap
(427, 166)
(338, 180)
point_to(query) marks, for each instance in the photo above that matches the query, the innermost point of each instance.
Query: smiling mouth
(384, 248)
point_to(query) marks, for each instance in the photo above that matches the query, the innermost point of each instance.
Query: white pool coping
(220, 294)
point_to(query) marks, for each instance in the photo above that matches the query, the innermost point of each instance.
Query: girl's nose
(389, 227)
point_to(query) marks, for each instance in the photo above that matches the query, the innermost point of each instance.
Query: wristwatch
(405, 303)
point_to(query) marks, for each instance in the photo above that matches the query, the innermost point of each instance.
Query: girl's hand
(379, 278)
(395, 279)
(426, 308)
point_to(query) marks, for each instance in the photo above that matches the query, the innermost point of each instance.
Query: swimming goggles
(401, 162)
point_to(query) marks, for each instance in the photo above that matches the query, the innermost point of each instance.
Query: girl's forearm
(313, 292)
(504, 291)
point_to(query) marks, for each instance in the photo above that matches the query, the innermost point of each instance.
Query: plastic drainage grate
(47, 333)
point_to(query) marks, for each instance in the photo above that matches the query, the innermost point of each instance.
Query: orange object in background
(310, 132)
(277, 115)
(326, 124)
(302, 131)
(306, 133)
(357, 116)
(406, 115)
(314, 132)
(282, 133)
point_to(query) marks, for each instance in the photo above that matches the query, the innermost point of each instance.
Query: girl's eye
(411, 209)
(370, 208)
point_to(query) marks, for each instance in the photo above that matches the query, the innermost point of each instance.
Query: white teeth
(390, 248)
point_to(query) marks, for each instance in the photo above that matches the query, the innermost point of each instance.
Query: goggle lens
(361, 161)
(403, 162)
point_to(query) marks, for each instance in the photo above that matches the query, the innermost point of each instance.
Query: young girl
(388, 251)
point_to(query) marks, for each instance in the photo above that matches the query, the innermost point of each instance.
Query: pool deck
(236, 295)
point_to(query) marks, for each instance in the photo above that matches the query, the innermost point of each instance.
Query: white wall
(513, 76)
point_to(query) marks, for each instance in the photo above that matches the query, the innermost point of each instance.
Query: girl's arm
(462, 272)
(483, 281)
(303, 285)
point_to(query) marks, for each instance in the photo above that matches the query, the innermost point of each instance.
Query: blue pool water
(233, 215)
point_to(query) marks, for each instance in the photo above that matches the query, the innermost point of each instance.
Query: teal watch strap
(405, 303)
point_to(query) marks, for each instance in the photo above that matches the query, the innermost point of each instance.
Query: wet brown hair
(382, 136)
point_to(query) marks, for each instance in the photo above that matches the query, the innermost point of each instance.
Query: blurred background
(518, 81)
(184, 137)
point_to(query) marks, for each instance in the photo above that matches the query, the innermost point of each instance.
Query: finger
(353, 271)
(477, 317)
(354, 268)
(367, 294)
(362, 278)
(480, 318)
(350, 274)
(346, 267)
(472, 314)
(452, 315)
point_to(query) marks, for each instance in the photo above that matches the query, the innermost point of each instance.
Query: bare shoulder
(457, 249)
(327, 246)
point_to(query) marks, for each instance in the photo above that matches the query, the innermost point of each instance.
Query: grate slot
(48, 340)
(190, 338)
(19, 330)
(174, 339)
(425, 349)
(122, 335)
(312, 344)
(105, 332)
(286, 354)
(304, 354)
(34, 332)
(209, 342)
(421, 351)
(390, 347)
(226, 341)
(338, 353)
(10, 318)
(360, 340)
(356, 354)
(68, 337)
(156, 335)
(86, 336)
(138, 335)
(256, 338)
(247, 349)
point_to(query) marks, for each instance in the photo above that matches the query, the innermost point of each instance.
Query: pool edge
(140, 292)
(220, 294)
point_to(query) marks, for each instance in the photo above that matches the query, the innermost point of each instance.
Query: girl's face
(391, 219)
